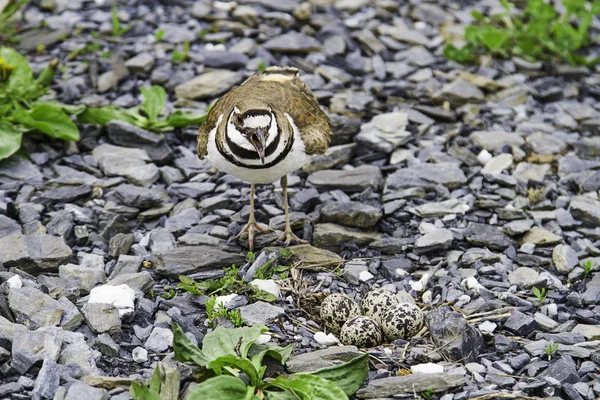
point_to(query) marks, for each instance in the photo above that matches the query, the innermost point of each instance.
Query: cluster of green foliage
(147, 115)
(23, 110)
(232, 366)
(214, 311)
(7, 28)
(538, 32)
(20, 108)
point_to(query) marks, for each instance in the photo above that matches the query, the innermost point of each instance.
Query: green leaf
(319, 388)
(186, 279)
(231, 342)
(222, 387)
(155, 380)
(102, 116)
(49, 119)
(241, 364)
(139, 391)
(293, 389)
(348, 376)
(258, 353)
(20, 84)
(181, 119)
(154, 101)
(10, 139)
(493, 37)
(185, 350)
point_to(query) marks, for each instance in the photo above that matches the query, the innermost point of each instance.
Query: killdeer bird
(262, 130)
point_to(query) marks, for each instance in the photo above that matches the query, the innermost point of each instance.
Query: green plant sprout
(550, 349)
(540, 294)
(587, 268)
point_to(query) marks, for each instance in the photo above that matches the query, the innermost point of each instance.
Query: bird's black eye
(239, 119)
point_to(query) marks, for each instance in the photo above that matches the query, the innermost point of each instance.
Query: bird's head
(254, 124)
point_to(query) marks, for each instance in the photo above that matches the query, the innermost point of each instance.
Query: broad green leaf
(155, 380)
(102, 116)
(241, 364)
(297, 388)
(258, 353)
(231, 342)
(181, 119)
(224, 387)
(287, 395)
(49, 119)
(20, 84)
(10, 139)
(185, 350)
(348, 376)
(139, 391)
(154, 101)
(186, 279)
(320, 388)
(493, 37)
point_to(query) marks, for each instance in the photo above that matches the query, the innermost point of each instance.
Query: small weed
(540, 294)
(229, 283)
(214, 310)
(286, 253)
(169, 293)
(262, 66)
(117, 30)
(257, 294)
(181, 56)
(550, 349)
(160, 33)
(536, 195)
(587, 268)
(251, 256)
(428, 394)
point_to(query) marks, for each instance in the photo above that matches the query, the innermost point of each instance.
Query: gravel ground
(465, 187)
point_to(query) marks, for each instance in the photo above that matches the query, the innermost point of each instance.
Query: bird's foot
(288, 237)
(250, 228)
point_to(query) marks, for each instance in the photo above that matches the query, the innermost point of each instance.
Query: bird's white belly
(294, 160)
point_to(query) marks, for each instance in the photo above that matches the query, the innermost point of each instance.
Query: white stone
(140, 355)
(488, 326)
(484, 156)
(15, 282)
(326, 340)
(421, 284)
(268, 285)
(263, 339)
(224, 300)
(427, 368)
(121, 297)
(498, 164)
(472, 283)
(427, 297)
(365, 276)
(527, 248)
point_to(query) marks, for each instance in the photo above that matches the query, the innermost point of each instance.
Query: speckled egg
(376, 302)
(402, 321)
(361, 332)
(336, 309)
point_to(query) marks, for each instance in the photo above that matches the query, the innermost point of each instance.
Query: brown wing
(295, 97)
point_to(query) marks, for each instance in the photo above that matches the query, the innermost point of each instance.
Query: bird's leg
(288, 235)
(252, 226)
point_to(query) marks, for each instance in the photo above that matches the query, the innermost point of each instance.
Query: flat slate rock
(426, 175)
(395, 385)
(190, 260)
(34, 253)
(354, 180)
(318, 359)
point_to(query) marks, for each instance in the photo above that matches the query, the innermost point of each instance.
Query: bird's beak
(258, 141)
